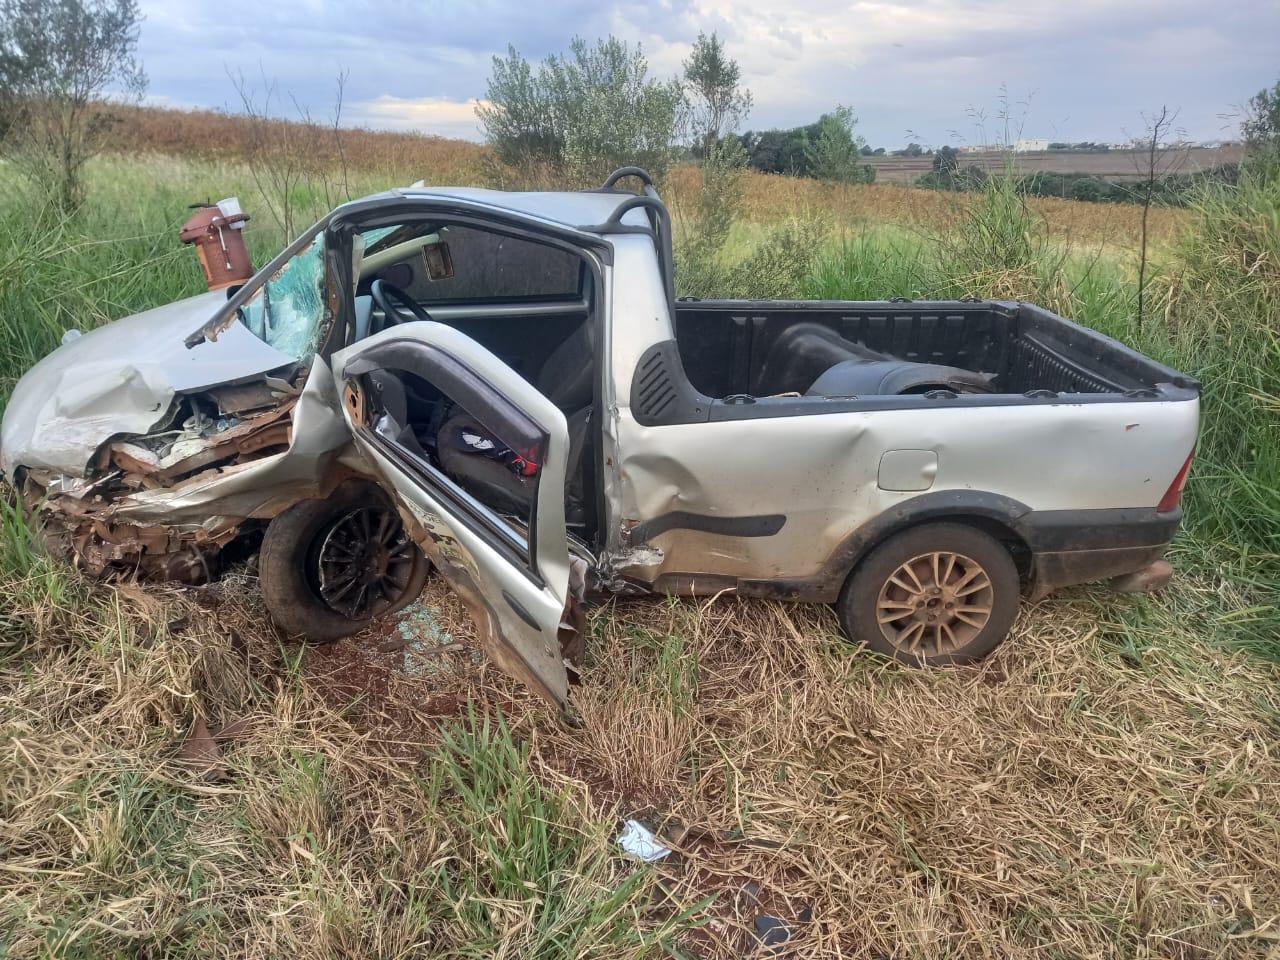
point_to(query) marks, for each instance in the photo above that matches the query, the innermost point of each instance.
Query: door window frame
(595, 252)
(452, 377)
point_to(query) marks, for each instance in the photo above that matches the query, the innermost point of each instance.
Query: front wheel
(939, 593)
(328, 567)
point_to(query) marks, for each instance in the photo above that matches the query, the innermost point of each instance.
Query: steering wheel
(391, 298)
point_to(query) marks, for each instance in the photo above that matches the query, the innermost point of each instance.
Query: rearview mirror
(439, 262)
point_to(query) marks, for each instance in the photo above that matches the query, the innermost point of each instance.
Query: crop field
(1110, 164)
(177, 780)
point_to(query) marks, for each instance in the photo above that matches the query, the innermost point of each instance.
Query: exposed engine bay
(210, 436)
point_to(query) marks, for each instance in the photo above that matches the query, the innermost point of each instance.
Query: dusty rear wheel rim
(364, 562)
(935, 604)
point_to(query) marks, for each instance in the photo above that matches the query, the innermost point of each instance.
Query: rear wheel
(940, 593)
(328, 567)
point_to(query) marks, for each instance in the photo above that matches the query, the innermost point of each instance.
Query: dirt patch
(395, 680)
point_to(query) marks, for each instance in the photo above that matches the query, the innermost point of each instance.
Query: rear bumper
(1079, 546)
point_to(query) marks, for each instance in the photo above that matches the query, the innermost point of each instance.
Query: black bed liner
(713, 368)
(1026, 347)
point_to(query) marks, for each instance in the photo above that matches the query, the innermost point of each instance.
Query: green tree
(1261, 127)
(834, 153)
(577, 116)
(59, 61)
(716, 103)
(946, 161)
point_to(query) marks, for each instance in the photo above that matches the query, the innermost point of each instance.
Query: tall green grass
(516, 854)
(119, 253)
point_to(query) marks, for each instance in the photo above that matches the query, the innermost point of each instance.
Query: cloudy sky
(912, 69)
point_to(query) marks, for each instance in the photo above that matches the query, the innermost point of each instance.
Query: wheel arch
(992, 513)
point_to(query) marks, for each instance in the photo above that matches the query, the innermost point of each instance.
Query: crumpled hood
(121, 379)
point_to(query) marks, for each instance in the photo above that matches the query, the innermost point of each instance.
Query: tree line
(596, 107)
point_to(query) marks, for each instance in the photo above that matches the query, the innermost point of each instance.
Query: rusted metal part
(104, 549)
(354, 400)
(94, 521)
(254, 436)
(573, 624)
(573, 633)
(240, 398)
(216, 230)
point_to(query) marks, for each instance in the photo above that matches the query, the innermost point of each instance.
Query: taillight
(1173, 495)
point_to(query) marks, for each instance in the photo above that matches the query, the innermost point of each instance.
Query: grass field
(1106, 785)
(1109, 164)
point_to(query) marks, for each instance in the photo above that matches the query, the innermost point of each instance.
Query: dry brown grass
(774, 197)
(223, 136)
(769, 197)
(1083, 793)
(1063, 799)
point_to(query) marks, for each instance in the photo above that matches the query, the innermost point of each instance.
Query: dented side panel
(820, 472)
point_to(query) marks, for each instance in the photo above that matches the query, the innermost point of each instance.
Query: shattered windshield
(288, 311)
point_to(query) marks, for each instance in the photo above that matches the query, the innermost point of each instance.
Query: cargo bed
(747, 348)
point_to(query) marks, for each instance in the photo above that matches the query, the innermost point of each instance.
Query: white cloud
(434, 115)
(1090, 66)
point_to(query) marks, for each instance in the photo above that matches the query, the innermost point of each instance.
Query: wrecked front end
(216, 463)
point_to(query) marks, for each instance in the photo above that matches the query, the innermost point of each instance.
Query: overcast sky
(911, 69)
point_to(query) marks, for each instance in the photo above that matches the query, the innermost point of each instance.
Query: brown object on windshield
(217, 230)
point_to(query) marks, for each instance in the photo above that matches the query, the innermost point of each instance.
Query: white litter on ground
(639, 841)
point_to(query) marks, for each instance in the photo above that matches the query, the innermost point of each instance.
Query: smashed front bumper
(164, 504)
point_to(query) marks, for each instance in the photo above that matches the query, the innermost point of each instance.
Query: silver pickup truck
(504, 386)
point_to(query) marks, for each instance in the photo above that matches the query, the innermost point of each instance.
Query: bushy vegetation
(576, 118)
(827, 149)
(1171, 189)
(61, 62)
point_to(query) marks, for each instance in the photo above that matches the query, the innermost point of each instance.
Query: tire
(297, 556)
(893, 602)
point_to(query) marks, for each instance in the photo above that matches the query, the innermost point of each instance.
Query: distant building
(1031, 145)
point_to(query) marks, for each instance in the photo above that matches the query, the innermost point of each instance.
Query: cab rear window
(491, 266)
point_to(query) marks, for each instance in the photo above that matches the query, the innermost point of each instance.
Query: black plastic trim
(1066, 546)
(661, 393)
(1102, 529)
(659, 225)
(1052, 571)
(640, 173)
(1091, 361)
(763, 525)
(520, 611)
(691, 406)
(464, 386)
